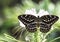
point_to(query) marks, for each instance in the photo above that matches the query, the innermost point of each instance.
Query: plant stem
(37, 36)
(55, 39)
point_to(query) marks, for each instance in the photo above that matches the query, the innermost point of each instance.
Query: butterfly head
(31, 22)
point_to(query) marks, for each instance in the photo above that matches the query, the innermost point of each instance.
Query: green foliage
(10, 20)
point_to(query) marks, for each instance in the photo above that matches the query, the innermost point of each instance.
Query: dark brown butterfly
(31, 22)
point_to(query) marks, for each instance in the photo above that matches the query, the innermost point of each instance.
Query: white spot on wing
(50, 15)
(25, 15)
(48, 20)
(44, 20)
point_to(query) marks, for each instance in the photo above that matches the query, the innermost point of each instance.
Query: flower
(27, 38)
(33, 12)
(21, 24)
(42, 12)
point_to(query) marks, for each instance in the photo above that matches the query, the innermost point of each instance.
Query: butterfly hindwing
(28, 21)
(47, 21)
(44, 27)
(31, 22)
(31, 27)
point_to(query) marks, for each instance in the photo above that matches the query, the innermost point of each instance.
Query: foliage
(10, 20)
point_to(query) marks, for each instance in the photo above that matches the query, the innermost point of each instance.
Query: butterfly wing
(28, 21)
(47, 21)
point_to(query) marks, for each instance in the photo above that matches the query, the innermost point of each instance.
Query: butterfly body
(32, 22)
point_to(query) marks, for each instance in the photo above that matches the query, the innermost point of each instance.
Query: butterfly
(31, 22)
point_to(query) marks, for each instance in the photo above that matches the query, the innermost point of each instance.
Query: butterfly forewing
(28, 21)
(31, 22)
(47, 21)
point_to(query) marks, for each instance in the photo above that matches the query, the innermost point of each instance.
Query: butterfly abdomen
(32, 22)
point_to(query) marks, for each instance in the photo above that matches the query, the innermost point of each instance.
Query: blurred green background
(11, 9)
